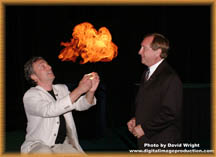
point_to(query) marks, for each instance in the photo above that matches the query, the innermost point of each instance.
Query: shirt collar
(154, 67)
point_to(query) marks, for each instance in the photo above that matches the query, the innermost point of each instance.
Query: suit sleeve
(171, 100)
(36, 105)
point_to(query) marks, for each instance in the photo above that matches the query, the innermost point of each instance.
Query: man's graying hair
(160, 42)
(28, 69)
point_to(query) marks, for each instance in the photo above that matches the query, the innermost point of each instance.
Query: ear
(34, 77)
(158, 52)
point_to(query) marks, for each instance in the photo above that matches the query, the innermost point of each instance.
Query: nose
(140, 51)
(49, 67)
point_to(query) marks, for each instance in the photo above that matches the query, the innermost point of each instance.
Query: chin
(143, 62)
(52, 78)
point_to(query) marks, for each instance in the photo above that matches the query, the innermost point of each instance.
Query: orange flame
(90, 44)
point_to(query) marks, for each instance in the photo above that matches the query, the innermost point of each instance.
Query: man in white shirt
(51, 127)
(159, 99)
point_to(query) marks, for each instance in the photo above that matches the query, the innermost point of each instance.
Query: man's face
(148, 56)
(42, 72)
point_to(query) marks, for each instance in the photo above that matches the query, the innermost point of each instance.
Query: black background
(39, 30)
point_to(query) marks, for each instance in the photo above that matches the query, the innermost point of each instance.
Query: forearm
(75, 94)
(90, 97)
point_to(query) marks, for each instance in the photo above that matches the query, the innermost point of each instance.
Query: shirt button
(57, 122)
(54, 134)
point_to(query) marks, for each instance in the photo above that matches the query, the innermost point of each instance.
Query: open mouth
(50, 73)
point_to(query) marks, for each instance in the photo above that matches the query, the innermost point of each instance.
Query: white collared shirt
(154, 67)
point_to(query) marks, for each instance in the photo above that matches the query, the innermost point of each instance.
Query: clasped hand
(87, 84)
(137, 131)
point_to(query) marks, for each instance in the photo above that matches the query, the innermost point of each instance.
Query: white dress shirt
(153, 68)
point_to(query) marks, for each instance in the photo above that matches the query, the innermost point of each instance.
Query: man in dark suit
(159, 100)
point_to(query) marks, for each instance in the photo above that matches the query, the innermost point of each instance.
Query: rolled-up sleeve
(82, 104)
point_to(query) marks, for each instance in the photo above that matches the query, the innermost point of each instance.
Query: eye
(144, 48)
(42, 66)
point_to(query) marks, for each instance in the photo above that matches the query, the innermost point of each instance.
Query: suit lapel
(156, 73)
(56, 91)
(45, 92)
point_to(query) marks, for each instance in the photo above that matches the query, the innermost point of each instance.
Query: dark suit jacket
(159, 106)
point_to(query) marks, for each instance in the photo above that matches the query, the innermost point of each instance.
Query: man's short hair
(160, 42)
(28, 69)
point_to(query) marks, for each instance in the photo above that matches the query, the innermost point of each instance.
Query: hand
(138, 131)
(85, 84)
(131, 124)
(95, 81)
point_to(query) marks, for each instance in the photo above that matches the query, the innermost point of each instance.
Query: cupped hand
(85, 84)
(95, 80)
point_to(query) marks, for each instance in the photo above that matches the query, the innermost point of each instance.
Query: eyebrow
(42, 61)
